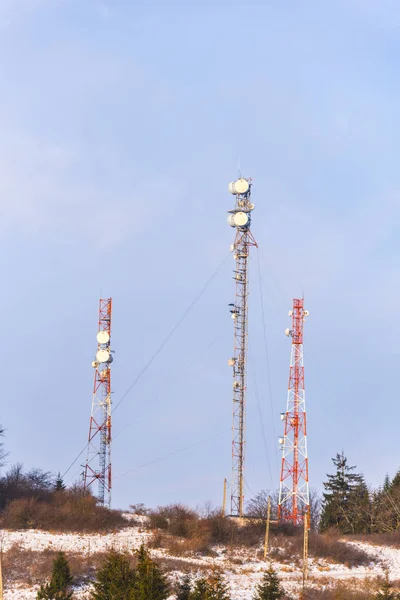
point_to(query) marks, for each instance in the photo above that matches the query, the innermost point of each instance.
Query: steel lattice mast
(240, 218)
(98, 462)
(294, 500)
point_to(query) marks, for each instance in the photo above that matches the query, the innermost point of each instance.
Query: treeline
(36, 499)
(350, 507)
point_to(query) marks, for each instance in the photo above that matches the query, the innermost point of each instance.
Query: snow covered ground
(127, 539)
(242, 569)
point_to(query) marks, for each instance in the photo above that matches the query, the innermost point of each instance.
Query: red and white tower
(294, 499)
(240, 219)
(98, 462)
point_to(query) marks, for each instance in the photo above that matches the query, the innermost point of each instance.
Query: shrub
(149, 582)
(339, 591)
(324, 546)
(183, 589)
(60, 583)
(179, 521)
(331, 548)
(270, 587)
(115, 579)
(176, 519)
(67, 511)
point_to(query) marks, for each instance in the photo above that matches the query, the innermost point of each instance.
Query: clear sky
(122, 123)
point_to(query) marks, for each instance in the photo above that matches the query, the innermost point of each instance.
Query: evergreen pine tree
(184, 588)
(269, 588)
(59, 485)
(386, 591)
(218, 589)
(339, 496)
(60, 582)
(385, 516)
(395, 481)
(360, 511)
(114, 580)
(387, 483)
(201, 590)
(150, 583)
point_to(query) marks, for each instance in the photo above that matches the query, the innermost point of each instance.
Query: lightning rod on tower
(294, 498)
(98, 462)
(240, 218)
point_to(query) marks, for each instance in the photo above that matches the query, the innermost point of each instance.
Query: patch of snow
(242, 569)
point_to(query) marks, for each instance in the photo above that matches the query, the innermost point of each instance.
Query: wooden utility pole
(1, 573)
(305, 552)
(266, 542)
(224, 499)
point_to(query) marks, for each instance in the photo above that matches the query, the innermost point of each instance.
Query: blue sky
(122, 123)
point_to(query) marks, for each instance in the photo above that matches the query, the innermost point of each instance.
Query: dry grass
(30, 567)
(328, 547)
(183, 532)
(63, 512)
(353, 589)
(182, 546)
(391, 539)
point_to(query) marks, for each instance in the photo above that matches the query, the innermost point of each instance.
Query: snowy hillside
(242, 567)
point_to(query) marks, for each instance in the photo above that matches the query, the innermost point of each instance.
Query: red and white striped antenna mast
(294, 497)
(98, 462)
(240, 218)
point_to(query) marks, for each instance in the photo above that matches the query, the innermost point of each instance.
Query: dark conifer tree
(395, 483)
(269, 588)
(218, 589)
(360, 510)
(59, 485)
(201, 590)
(184, 588)
(60, 583)
(386, 590)
(338, 500)
(150, 583)
(387, 483)
(114, 579)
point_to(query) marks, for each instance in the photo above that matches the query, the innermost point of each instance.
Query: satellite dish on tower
(240, 186)
(103, 337)
(238, 219)
(104, 356)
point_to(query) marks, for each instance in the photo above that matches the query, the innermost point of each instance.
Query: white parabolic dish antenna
(103, 337)
(241, 218)
(103, 356)
(240, 186)
(238, 219)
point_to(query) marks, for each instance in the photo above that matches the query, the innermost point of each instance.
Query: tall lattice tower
(294, 499)
(98, 462)
(240, 218)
